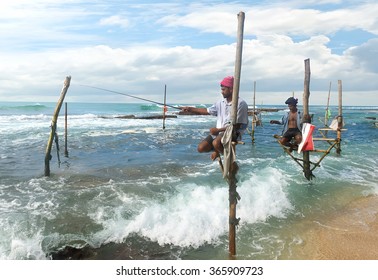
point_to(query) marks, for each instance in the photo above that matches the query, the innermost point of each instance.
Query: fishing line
(129, 95)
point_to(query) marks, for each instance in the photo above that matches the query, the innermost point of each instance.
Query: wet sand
(349, 234)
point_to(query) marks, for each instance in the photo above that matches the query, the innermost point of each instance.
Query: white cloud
(279, 20)
(115, 21)
(206, 21)
(366, 56)
(272, 56)
(275, 62)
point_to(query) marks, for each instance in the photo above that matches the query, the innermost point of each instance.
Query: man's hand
(185, 108)
(214, 131)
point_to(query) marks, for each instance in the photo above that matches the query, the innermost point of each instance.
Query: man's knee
(204, 147)
(217, 144)
(200, 148)
(284, 141)
(298, 138)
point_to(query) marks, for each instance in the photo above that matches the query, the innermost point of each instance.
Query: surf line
(129, 95)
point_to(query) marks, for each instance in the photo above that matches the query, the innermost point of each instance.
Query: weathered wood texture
(54, 124)
(233, 196)
(306, 118)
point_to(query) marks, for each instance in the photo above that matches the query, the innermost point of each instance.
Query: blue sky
(137, 47)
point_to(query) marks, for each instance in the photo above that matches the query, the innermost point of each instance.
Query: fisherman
(222, 110)
(292, 126)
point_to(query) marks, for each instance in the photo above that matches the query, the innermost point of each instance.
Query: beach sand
(349, 234)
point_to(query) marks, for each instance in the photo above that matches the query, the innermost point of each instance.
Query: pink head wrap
(228, 82)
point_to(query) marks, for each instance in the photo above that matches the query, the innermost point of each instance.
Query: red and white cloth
(307, 143)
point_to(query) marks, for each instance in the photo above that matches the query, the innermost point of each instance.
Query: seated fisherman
(292, 126)
(222, 109)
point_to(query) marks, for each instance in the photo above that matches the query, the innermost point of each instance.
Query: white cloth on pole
(229, 153)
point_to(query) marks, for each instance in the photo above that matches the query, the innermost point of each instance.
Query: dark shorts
(291, 132)
(209, 139)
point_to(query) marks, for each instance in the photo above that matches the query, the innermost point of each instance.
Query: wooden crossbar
(330, 129)
(324, 139)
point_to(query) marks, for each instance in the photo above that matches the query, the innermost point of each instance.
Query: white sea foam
(26, 248)
(20, 242)
(199, 214)
(263, 195)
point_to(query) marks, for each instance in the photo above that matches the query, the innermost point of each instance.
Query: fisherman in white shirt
(222, 110)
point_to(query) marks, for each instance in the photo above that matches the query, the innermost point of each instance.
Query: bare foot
(293, 148)
(214, 155)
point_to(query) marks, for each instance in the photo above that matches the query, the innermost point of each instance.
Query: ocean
(131, 189)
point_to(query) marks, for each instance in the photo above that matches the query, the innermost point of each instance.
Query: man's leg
(298, 138)
(218, 147)
(206, 145)
(285, 141)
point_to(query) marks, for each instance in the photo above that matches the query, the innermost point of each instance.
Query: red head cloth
(228, 82)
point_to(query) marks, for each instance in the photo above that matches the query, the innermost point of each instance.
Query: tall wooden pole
(327, 111)
(339, 117)
(65, 131)
(254, 113)
(53, 125)
(306, 118)
(233, 195)
(326, 117)
(165, 105)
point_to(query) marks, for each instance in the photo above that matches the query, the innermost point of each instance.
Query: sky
(138, 47)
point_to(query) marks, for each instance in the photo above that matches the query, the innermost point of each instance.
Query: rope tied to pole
(234, 195)
(234, 221)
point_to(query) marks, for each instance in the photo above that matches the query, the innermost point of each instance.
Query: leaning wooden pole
(306, 118)
(233, 195)
(53, 125)
(339, 117)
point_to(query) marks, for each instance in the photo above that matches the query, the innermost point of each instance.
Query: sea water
(128, 181)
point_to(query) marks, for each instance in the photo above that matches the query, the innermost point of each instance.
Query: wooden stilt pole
(254, 113)
(326, 117)
(53, 125)
(233, 195)
(339, 117)
(65, 130)
(327, 114)
(306, 118)
(165, 105)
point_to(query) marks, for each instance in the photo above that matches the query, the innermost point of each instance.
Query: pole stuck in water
(327, 114)
(254, 117)
(306, 118)
(54, 123)
(233, 195)
(165, 105)
(339, 117)
(65, 131)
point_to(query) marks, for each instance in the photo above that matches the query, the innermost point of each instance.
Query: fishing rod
(129, 95)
